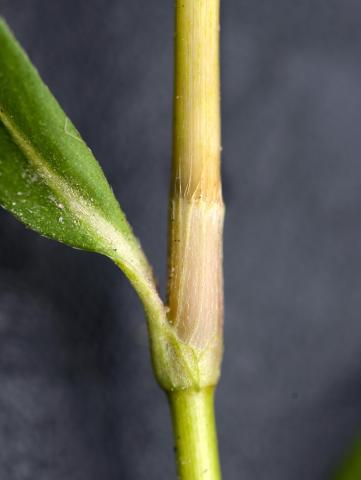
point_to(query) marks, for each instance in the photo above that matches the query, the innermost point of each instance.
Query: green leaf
(49, 178)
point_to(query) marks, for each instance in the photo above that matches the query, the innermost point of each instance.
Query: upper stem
(196, 134)
(195, 288)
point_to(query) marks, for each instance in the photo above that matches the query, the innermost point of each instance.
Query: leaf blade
(49, 179)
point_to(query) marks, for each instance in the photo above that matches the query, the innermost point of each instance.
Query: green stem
(195, 287)
(195, 434)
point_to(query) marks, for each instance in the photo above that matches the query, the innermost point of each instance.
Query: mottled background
(77, 396)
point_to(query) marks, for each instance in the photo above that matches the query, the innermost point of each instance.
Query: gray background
(77, 396)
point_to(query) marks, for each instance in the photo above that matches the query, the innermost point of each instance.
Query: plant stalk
(195, 434)
(195, 284)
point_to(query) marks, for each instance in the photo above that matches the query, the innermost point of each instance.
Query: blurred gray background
(77, 396)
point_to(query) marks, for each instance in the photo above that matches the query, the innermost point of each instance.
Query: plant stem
(195, 286)
(195, 434)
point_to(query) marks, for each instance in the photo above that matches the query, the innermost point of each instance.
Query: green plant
(50, 181)
(351, 466)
